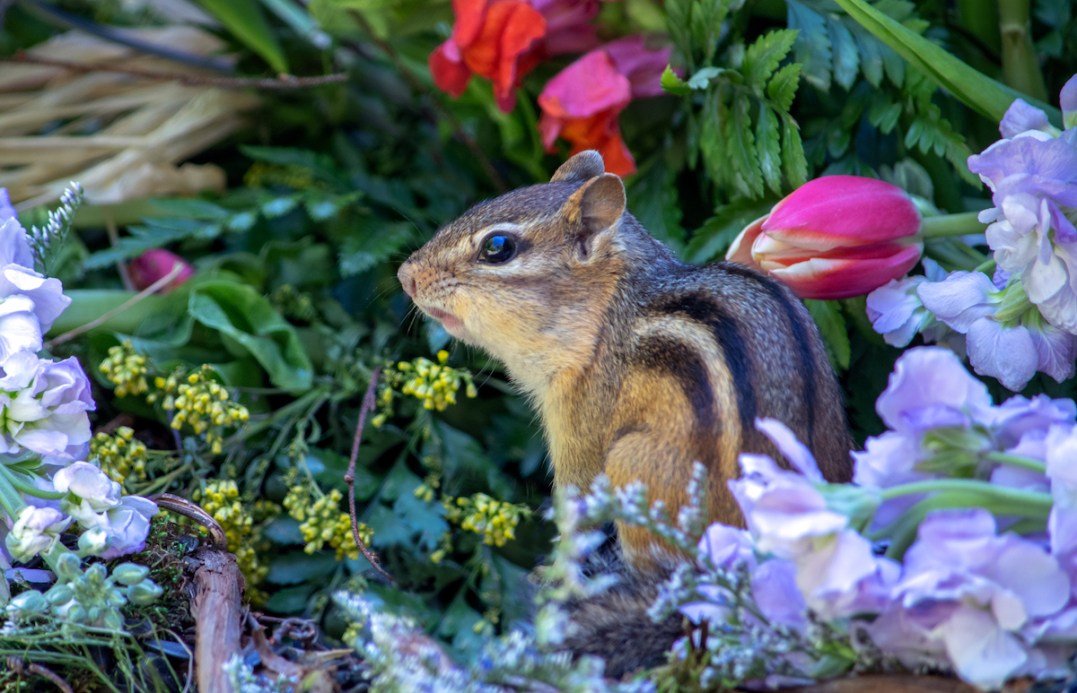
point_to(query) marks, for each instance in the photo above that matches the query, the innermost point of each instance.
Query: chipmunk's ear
(593, 209)
(583, 166)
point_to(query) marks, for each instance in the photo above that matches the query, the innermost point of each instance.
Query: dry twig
(349, 477)
(185, 78)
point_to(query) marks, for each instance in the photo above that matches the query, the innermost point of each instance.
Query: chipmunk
(638, 363)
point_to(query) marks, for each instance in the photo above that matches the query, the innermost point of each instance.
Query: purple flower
(897, 312)
(971, 591)
(114, 524)
(930, 388)
(43, 406)
(29, 302)
(967, 302)
(1032, 174)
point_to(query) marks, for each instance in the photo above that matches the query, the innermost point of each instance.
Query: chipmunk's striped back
(639, 364)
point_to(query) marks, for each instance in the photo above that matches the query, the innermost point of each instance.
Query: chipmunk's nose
(406, 275)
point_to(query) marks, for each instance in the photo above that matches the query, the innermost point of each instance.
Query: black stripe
(801, 338)
(685, 364)
(703, 309)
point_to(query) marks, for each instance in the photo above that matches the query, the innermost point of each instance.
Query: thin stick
(109, 314)
(20, 667)
(349, 477)
(280, 82)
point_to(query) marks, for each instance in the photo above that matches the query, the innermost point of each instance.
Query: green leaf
(973, 88)
(702, 79)
(750, 178)
(372, 243)
(794, 163)
(762, 58)
(768, 148)
(295, 567)
(245, 20)
(655, 202)
(672, 84)
(831, 322)
(712, 239)
(782, 88)
(844, 51)
(291, 600)
(812, 46)
(239, 312)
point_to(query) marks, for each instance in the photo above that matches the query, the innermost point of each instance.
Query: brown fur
(638, 363)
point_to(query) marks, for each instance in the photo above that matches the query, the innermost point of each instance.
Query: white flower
(36, 530)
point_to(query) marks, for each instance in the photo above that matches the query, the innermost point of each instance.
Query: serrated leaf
(702, 78)
(812, 46)
(742, 142)
(762, 58)
(655, 202)
(870, 52)
(844, 53)
(768, 148)
(782, 88)
(970, 86)
(672, 84)
(371, 245)
(319, 164)
(794, 164)
(711, 240)
(244, 19)
(827, 315)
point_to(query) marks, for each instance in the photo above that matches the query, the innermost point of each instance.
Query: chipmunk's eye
(498, 248)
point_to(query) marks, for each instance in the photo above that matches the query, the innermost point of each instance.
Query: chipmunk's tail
(615, 624)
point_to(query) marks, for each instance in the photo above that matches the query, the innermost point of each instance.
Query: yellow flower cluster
(262, 174)
(121, 456)
(220, 499)
(200, 403)
(322, 521)
(495, 520)
(435, 384)
(425, 491)
(126, 369)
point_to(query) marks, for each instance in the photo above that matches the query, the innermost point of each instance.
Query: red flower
(154, 265)
(583, 101)
(834, 237)
(491, 38)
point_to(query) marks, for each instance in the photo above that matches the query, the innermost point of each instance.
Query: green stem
(946, 225)
(1032, 501)
(1017, 461)
(11, 502)
(1020, 65)
(21, 486)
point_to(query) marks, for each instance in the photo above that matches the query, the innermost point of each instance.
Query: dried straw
(122, 136)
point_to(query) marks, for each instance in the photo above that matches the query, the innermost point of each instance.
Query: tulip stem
(947, 225)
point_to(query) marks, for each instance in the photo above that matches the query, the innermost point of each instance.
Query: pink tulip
(834, 237)
(153, 265)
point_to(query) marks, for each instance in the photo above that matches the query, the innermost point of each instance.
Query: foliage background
(295, 301)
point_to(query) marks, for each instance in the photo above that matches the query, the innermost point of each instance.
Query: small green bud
(68, 567)
(29, 603)
(144, 593)
(60, 594)
(130, 573)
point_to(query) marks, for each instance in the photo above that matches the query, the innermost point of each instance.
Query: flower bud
(61, 594)
(144, 593)
(68, 567)
(29, 603)
(153, 265)
(130, 573)
(834, 237)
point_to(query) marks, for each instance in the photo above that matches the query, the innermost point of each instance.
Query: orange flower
(583, 102)
(492, 39)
